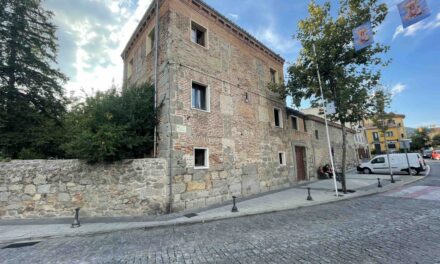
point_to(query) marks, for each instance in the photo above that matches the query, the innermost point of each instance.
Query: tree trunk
(344, 154)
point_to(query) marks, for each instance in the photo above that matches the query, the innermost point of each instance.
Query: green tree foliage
(380, 117)
(436, 140)
(31, 93)
(347, 76)
(113, 126)
(420, 139)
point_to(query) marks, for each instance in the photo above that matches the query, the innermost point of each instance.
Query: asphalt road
(401, 226)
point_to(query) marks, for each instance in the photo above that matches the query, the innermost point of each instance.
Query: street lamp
(324, 104)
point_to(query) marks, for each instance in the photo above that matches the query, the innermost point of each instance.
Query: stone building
(221, 130)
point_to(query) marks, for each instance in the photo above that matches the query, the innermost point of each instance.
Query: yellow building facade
(394, 135)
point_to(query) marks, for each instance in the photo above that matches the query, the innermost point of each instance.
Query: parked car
(379, 164)
(435, 154)
(427, 153)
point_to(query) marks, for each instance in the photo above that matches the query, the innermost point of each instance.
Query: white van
(399, 164)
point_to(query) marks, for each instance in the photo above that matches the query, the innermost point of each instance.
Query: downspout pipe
(156, 58)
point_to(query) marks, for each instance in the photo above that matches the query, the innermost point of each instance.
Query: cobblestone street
(385, 228)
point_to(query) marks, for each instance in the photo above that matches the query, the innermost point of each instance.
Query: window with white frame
(281, 158)
(278, 117)
(201, 158)
(200, 97)
(294, 122)
(198, 34)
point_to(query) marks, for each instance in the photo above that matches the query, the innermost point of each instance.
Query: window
(198, 34)
(282, 158)
(391, 145)
(402, 135)
(294, 122)
(305, 127)
(378, 160)
(316, 134)
(375, 136)
(130, 68)
(200, 97)
(389, 133)
(278, 117)
(201, 158)
(273, 76)
(391, 122)
(151, 41)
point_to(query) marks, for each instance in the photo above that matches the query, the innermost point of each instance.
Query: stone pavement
(321, 191)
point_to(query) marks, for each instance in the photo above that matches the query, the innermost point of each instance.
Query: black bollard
(76, 222)
(379, 185)
(234, 207)
(309, 197)
(392, 179)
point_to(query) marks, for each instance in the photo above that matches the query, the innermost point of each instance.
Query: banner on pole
(412, 11)
(330, 109)
(363, 36)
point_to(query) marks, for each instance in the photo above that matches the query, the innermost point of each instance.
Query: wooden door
(300, 163)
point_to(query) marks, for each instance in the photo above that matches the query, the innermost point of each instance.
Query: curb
(188, 221)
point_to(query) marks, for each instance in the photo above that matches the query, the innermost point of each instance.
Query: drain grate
(22, 244)
(190, 215)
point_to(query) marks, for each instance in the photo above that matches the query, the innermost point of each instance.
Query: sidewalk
(322, 191)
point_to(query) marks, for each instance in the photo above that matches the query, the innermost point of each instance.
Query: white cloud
(234, 17)
(415, 28)
(397, 89)
(275, 41)
(92, 35)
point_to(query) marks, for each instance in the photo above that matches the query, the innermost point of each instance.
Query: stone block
(63, 197)
(179, 188)
(44, 188)
(30, 189)
(36, 197)
(250, 184)
(40, 179)
(187, 178)
(4, 196)
(195, 186)
(16, 187)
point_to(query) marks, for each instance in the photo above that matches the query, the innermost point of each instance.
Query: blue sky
(92, 34)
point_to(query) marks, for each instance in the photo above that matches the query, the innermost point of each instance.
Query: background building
(394, 134)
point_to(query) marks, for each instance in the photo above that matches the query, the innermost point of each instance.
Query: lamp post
(324, 104)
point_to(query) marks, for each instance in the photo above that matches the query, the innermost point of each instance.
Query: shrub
(112, 126)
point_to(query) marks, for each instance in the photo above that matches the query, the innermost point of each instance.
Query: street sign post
(406, 143)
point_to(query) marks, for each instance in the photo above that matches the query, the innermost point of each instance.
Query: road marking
(417, 192)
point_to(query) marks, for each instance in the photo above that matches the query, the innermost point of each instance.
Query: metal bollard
(309, 197)
(76, 222)
(234, 206)
(392, 179)
(379, 185)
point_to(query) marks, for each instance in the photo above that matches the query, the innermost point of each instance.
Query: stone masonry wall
(54, 188)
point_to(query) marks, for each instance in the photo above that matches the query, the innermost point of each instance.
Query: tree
(436, 140)
(381, 119)
(112, 126)
(420, 138)
(31, 92)
(347, 76)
